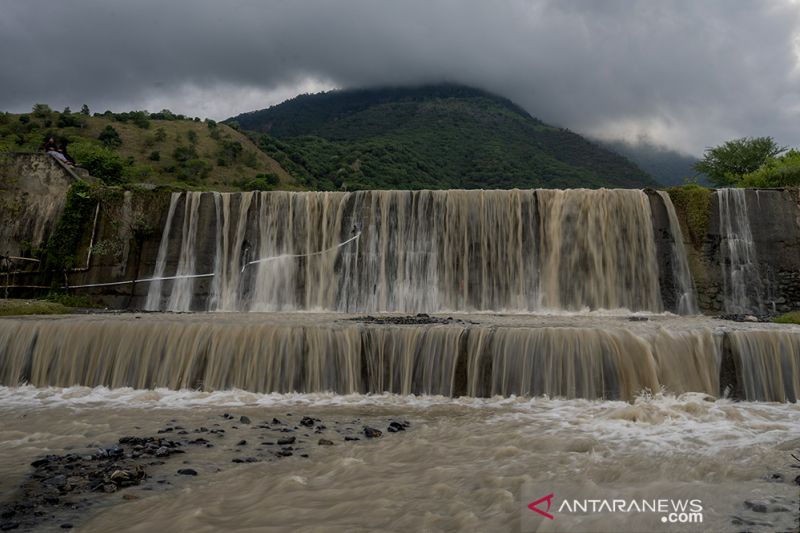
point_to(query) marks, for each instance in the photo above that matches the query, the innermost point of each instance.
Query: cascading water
(686, 295)
(582, 358)
(741, 280)
(416, 251)
(154, 291)
(473, 374)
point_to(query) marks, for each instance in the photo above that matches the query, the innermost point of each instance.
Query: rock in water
(325, 442)
(187, 472)
(244, 420)
(394, 427)
(372, 433)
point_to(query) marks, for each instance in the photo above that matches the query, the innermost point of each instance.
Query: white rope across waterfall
(212, 274)
(286, 256)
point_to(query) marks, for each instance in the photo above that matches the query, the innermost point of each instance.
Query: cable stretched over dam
(287, 256)
(212, 274)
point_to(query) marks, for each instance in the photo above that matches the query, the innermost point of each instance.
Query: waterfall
(686, 295)
(417, 251)
(154, 291)
(742, 286)
(315, 353)
(596, 247)
(181, 296)
(769, 363)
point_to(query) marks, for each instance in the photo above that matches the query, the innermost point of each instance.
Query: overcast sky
(686, 74)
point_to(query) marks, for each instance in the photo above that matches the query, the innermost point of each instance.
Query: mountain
(668, 167)
(438, 136)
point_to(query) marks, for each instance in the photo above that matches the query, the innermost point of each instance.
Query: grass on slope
(182, 153)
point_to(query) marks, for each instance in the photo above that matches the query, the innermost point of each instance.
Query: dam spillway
(478, 355)
(413, 251)
(266, 290)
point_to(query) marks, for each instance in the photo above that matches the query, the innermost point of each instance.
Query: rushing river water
(463, 465)
(503, 410)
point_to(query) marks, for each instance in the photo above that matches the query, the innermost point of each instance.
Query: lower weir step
(475, 355)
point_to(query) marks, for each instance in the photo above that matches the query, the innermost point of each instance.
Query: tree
(230, 150)
(183, 154)
(42, 110)
(727, 163)
(110, 137)
(85, 110)
(783, 171)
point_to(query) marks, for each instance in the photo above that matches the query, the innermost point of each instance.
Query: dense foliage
(59, 252)
(727, 164)
(782, 171)
(442, 136)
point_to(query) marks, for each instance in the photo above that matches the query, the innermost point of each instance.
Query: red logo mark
(545, 514)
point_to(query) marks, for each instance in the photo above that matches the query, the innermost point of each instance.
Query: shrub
(230, 150)
(183, 154)
(783, 171)
(164, 114)
(193, 171)
(137, 118)
(249, 159)
(261, 182)
(110, 137)
(67, 120)
(101, 162)
(155, 155)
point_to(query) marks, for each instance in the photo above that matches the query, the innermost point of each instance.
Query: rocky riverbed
(59, 489)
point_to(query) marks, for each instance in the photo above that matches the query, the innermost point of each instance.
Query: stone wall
(32, 192)
(774, 216)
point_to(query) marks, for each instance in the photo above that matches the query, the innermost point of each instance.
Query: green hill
(442, 136)
(158, 148)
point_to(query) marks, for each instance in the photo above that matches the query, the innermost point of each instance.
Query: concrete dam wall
(413, 251)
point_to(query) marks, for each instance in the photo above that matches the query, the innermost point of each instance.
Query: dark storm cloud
(687, 73)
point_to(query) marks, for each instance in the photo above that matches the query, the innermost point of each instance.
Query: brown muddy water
(503, 410)
(463, 465)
